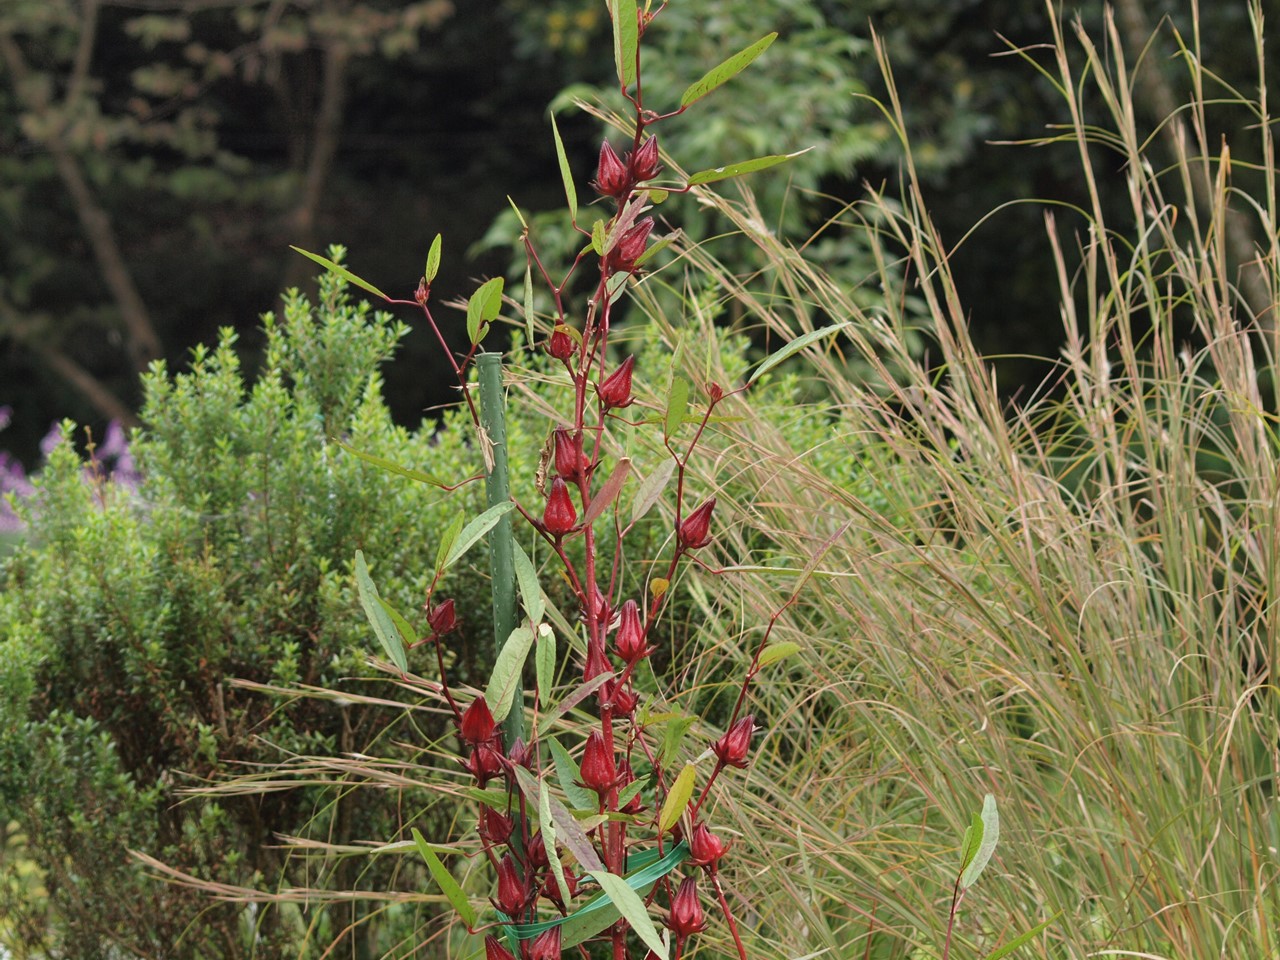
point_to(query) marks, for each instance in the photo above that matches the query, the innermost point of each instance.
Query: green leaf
(777, 651)
(651, 489)
(677, 406)
(391, 466)
(673, 735)
(567, 828)
(483, 307)
(986, 843)
(447, 541)
(504, 682)
(548, 833)
(567, 773)
(632, 909)
(383, 627)
(448, 886)
(530, 588)
(969, 842)
(599, 912)
(718, 76)
(476, 529)
(1023, 940)
(626, 38)
(405, 629)
(570, 192)
(608, 492)
(597, 237)
(544, 659)
(530, 334)
(341, 271)
(739, 169)
(677, 798)
(794, 347)
(660, 244)
(629, 791)
(433, 260)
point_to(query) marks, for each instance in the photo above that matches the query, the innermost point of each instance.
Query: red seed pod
(599, 773)
(615, 391)
(477, 723)
(695, 531)
(571, 462)
(546, 945)
(612, 178)
(624, 699)
(705, 848)
(630, 639)
(596, 663)
(441, 618)
(560, 345)
(520, 754)
(644, 162)
(535, 852)
(686, 916)
(512, 892)
(494, 827)
(560, 516)
(485, 763)
(494, 950)
(733, 747)
(622, 258)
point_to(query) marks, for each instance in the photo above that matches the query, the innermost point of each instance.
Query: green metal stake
(502, 565)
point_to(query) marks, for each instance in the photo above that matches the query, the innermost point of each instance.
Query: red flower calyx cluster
(618, 177)
(732, 749)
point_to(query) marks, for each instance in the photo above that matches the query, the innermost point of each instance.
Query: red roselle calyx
(622, 258)
(695, 530)
(615, 391)
(560, 345)
(630, 639)
(596, 663)
(705, 848)
(733, 747)
(441, 618)
(686, 916)
(494, 827)
(612, 178)
(644, 162)
(623, 697)
(546, 945)
(512, 893)
(599, 773)
(477, 724)
(494, 950)
(520, 755)
(571, 462)
(560, 516)
(485, 763)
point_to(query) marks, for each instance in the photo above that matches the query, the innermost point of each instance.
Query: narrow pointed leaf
(599, 912)
(739, 169)
(719, 75)
(447, 541)
(1023, 940)
(544, 658)
(672, 737)
(651, 489)
(476, 529)
(660, 244)
(403, 626)
(500, 693)
(567, 773)
(597, 237)
(677, 406)
(629, 791)
(608, 492)
(483, 307)
(391, 466)
(969, 843)
(528, 305)
(570, 191)
(794, 347)
(548, 833)
(986, 844)
(568, 830)
(341, 271)
(383, 627)
(433, 260)
(677, 798)
(632, 909)
(626, 38)
(530, 588)
(448, 886)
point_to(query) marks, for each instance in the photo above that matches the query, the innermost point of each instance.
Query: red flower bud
(705, 848)
(630, 639)
(622, 258)
(571, 462)
(535, 851)
(494, 950)
(520, 754)
(494, 827)
(695, 530)
(686, 916)
(615, 391)
(485, 763)
(441, 617)
(623, 697)
(612, 178)
(644, 162)
(596, 663)
(559, 516)
(715, 391)
(599, 773)
(551, 889)
(560, 345)
(477, 722)
(733, 747)
(512, 892)
(546, 945)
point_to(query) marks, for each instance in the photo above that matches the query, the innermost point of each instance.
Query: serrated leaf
(483, 307)
(677, 798)
(341, 271)
(383, 627)
(660, 244)
(608, 492)
(567, 773)
(777, 651)
(433, 260)
(548, 833)
(651, 489)
(986, 843)
(1023, 939)
(476, 529)
(632, 909)
(677, 406)
(795, 346)
(717, 76)
(626, 38)
(500, 693)
(544, 659)
(447, 541)
(740, 169)
(448, 885)
(530, 588)
(391, 466)
(570, 192)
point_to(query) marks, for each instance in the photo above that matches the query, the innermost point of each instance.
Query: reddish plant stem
(728, 916)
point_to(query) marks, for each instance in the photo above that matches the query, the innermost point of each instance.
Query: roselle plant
(584, 846)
